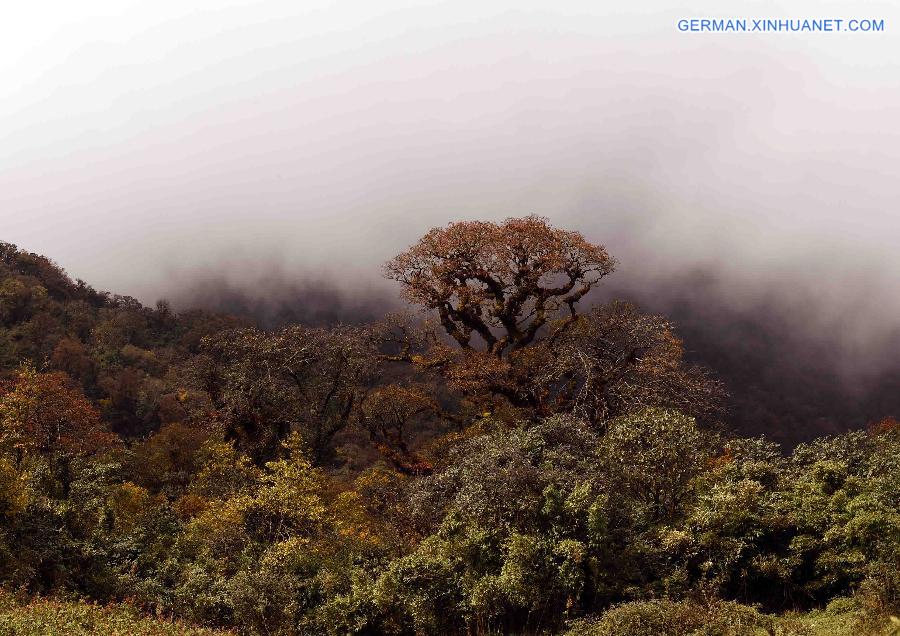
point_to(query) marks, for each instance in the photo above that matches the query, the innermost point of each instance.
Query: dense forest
(508, 457)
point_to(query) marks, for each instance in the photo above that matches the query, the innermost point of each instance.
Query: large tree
(501, 281)
(517, 285)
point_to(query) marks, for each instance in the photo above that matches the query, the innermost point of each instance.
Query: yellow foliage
(219, 529)
(350, 521)
(290, 495)
(225, 472)
(286, 553)
(14, 491)
(129, 503)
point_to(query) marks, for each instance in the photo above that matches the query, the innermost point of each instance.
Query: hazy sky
(141, 140)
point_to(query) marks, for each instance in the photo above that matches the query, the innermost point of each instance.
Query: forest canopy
(509, 456)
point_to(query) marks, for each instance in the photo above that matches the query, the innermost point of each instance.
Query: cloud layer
(154, 150)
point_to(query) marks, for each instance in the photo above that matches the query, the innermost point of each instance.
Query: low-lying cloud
(267, 157)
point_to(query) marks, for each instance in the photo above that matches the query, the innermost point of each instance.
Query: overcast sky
(140, 141)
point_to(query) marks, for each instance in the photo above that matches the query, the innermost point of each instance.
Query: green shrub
(40, 617)
(677, 618)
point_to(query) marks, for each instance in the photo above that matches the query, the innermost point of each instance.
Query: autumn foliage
(512, 456)
(517, 287)
(47, 414)
(501, 282)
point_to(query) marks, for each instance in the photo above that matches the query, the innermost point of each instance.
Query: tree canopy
(520, 458)
(500, 281)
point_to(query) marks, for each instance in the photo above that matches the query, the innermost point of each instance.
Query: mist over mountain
(215, 418)
(276, 299)
(791, 374)
(789, 377)
(745, 182)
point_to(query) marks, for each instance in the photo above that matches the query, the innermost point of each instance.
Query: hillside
(514, 459)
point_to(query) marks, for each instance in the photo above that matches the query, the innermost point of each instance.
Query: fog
(245, 150)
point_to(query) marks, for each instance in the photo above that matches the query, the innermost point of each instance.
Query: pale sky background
(141, 142)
